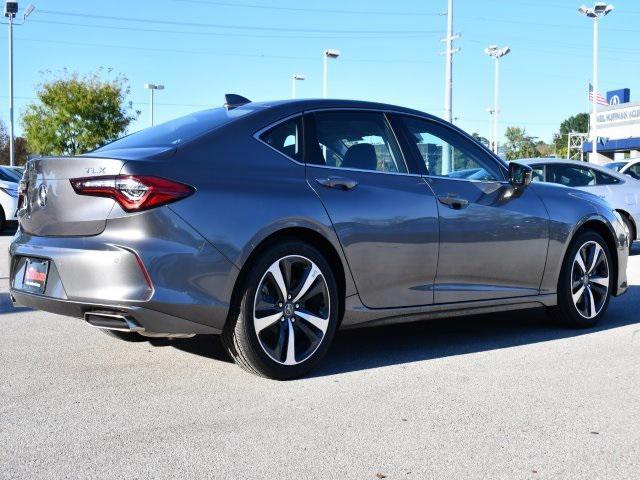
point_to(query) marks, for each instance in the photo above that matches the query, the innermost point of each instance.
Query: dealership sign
(620, 115)
(616, 97)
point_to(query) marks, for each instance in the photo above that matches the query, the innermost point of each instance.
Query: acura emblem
(42, 195)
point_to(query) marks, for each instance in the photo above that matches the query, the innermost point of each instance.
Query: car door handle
(340, 183)
(453, 201)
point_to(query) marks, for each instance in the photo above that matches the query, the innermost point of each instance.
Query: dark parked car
(275, 224)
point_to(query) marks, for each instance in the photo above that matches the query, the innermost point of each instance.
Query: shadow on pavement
(367, 348)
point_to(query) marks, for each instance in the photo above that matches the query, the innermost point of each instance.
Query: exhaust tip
(112, 321)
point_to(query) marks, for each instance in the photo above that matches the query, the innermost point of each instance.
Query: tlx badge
(95, 170)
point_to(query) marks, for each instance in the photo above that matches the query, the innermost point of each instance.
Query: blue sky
(201, 49)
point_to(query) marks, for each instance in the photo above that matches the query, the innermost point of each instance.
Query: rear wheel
(287, 315)
(586, 280)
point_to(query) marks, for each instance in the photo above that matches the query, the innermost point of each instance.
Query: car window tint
(355, 140)
(440, 147)
(605, 178)
(538, 173)
(634, 171)
(181, 130)
(571, 175)
(286, 138)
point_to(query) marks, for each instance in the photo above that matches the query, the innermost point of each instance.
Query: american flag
(600, 100)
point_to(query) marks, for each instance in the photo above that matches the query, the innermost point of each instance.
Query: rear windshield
(180, 130)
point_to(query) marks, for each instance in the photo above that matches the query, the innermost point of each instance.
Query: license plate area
(36, 271)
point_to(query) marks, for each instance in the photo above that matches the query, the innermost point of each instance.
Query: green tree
(576, 123)
(75, 114)
(519, 144)
(481, 139)
(19, 147)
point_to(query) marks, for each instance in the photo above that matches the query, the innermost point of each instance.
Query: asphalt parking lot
(501, 396)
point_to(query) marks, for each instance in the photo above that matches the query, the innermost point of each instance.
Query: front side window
(571, 175)
(286, 137)
(355, 140)
(447, 154)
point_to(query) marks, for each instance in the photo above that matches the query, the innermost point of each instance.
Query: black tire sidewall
(257, 357)
(568, 311)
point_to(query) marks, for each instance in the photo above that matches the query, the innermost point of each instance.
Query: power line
(213, 52)
(231, 34)
(306, 10)
(227, 27)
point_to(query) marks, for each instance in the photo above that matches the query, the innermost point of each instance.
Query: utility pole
(448, 82)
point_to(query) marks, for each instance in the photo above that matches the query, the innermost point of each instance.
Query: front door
(493, 238)
(385, 218)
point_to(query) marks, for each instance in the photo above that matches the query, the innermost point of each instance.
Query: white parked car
(628, 167)
(620, 190)
(9, 179)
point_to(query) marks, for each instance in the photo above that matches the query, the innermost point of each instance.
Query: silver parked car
(275, 224)
(621, 191)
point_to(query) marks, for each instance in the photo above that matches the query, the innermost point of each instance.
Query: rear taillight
(133, 192)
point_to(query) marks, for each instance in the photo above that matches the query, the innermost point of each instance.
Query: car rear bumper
(152, 266)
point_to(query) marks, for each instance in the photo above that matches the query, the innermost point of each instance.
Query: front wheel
(287, 315)
(586, 281)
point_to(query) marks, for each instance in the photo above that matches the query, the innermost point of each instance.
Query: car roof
(319, 103)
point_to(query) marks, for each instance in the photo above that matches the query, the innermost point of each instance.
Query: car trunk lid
(49, 205)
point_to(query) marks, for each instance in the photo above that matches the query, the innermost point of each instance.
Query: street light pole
(496, 53)
(12, 159)
(10, 12)
(294, 79)
(600, 9)
(152, 87)
(594, 103)
(327, 54)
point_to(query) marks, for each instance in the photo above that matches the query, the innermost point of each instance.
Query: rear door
(493, 238)
(384, 216)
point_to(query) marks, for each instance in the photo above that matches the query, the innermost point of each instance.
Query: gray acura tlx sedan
(275, 224)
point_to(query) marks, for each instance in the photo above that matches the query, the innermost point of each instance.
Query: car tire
(125, 336)
(583, 296)
(3, 219)
(287, 312)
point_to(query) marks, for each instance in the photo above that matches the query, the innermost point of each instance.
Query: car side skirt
(357, 315)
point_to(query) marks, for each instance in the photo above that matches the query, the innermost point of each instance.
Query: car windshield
(180, 130)
(617, 166)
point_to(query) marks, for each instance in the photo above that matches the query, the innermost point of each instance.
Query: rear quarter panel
(245, 191)
(569, 209)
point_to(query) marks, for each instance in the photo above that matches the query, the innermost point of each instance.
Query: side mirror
(520, 175)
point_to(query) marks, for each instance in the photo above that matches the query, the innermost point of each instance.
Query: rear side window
(605, 179)
(286, 138)
(571, 176)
